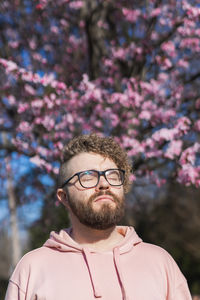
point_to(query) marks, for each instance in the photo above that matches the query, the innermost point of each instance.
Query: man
(95, 258)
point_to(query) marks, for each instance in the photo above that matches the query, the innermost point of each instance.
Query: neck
(99, 240)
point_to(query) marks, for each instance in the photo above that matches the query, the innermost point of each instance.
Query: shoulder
(156, 256)
(29, 261)
(38, 253)
(154, 250)
(26, 266)
(160, 258)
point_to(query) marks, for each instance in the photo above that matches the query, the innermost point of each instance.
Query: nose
(102, 184)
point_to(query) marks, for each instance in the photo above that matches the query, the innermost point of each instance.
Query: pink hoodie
(63, 270)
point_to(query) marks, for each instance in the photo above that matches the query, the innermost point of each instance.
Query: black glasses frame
(100, 173)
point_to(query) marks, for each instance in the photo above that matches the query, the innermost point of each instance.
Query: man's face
(100, 207)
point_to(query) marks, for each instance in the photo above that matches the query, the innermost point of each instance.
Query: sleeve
(182, 292)
(177, 284)
(14, 292)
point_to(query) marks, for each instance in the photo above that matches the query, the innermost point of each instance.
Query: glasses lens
(88, 178)
(115, 177)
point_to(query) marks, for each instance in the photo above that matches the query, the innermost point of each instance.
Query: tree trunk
(15, 242)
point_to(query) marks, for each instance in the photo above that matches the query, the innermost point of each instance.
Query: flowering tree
(129, 69)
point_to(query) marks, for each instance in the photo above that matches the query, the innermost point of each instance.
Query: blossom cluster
(135, 80)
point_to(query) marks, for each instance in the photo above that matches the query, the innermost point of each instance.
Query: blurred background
(128, 69)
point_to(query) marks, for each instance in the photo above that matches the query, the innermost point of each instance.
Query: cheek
(80, 195)
(118, 191)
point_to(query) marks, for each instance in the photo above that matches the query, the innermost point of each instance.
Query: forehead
(87, 161)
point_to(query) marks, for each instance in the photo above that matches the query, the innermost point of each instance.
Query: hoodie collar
(62, 241)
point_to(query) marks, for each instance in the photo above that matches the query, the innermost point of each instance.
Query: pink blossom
(114, 120)
(9, 65)
(197, 125)
(135, 121)
(39, 6)
(164, 134)
(29, 89)
(47, 79)
(183, 125)
(37, 103)
(154, 35)
(102, 24)
(54, 29)
(134, 144)
(41, 162)
(193, 12)
(191, 43)
(98, 123)
(55, 170)
(29, 76)
(174, 149)
(108, 62)
(165, 21)
(189, 154)
(32, 43)
(131, 15)
(60, 85)
(145, 114)
(21, 145)
(39, 58)
(160, 181)
(165, 115)
(42, 151)
(155, 12)
(149, 105)
(82, 24)
(38, 120)
(49, 102)
(58, 145)
(119, 53)
(163, 77)
(132, 178)
(169, 48)
(48, 122)
(189, 174)
(24, 127)
(22, 107)
(197, 104)
(149, 143)
(121, 98)
(153, 153)
(13, 44)
(164, 62)
(76, 4)
(64, 23)
(69, 118)
(182, 63)
(11, 99)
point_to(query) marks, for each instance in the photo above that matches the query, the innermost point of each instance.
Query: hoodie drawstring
(116, 256)
(96, 291)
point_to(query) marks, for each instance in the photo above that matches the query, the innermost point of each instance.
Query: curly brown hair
(105, 146)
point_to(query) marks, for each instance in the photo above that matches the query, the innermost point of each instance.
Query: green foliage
(173, 224)
(3, 287)
(53, 217)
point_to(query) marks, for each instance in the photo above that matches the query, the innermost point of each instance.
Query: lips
(104, 197)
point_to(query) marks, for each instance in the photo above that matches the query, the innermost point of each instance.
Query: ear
(62, 197)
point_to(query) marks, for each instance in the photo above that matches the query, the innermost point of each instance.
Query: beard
(103, 218)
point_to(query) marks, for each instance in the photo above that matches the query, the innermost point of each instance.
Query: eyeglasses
(90, 178)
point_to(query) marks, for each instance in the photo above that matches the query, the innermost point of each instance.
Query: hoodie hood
(63, 242)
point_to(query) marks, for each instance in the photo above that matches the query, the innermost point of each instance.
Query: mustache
(101, 193)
